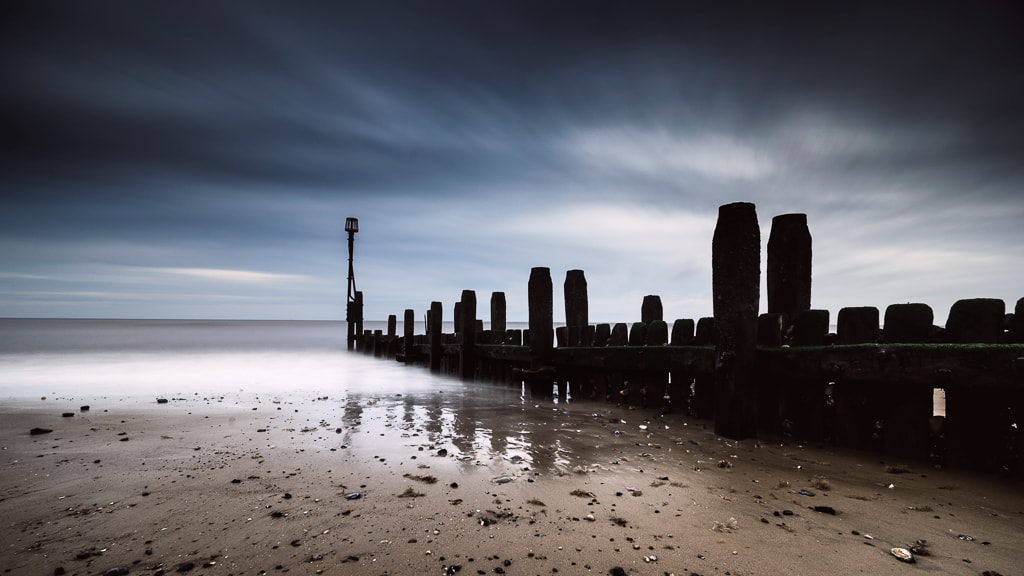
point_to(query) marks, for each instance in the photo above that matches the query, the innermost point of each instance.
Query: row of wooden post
(744, 397)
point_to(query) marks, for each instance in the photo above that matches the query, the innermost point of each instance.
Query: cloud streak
(233, 276)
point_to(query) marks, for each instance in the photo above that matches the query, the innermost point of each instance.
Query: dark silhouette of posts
(576, 314)
(467, 336)
(434, 320)
(789, 265)
(736, 276)
(498, 317)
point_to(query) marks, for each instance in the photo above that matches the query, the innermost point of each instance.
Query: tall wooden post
(541, 329)
(434, 327)
(576, 312)
(498, 322)
(409, 328)
(392, 325)
(736, 276)
(467, 337)
(789, 265)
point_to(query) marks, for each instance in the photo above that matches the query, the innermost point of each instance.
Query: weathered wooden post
(387, 345)
(857, 325)
(498, 317)
(619, 335)
(976, 321)
(357, 310)
(409, 329)
(467, 337)
(702, 404)
(541, 330)
(786, 404)
(810, 327)
(576, 314)
(576, 320)
(1017, 324)
(789, 264)
(681, 379)
(434, 327)
(651, 310)
(849, 416)
(736, 276)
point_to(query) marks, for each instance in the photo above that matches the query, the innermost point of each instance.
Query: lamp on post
(353, 304)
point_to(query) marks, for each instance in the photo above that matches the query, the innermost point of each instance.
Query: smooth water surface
(139, 358)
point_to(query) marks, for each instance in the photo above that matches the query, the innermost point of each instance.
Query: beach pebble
(68, 414)
(120, 571)
(185, 567)
(353, 496)
(164, 401)
(38, 431)
(84, 408)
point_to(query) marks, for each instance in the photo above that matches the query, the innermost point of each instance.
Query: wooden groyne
(780, 374)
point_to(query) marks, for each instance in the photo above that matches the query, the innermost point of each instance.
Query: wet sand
(246, 486)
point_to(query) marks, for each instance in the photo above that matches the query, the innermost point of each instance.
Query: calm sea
(147, 358)
(303, 367)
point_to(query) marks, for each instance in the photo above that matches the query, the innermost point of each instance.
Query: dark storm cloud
(352, 95)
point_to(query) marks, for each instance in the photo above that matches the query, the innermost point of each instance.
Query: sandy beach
(379, 485)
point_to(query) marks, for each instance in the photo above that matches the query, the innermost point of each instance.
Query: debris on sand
(897, 469)
(728, 526)
(425, 479)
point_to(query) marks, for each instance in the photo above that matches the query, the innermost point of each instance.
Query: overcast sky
(198, 159)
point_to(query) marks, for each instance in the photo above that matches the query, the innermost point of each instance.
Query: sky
(196, 159)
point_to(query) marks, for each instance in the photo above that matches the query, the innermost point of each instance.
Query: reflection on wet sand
(479, 426)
